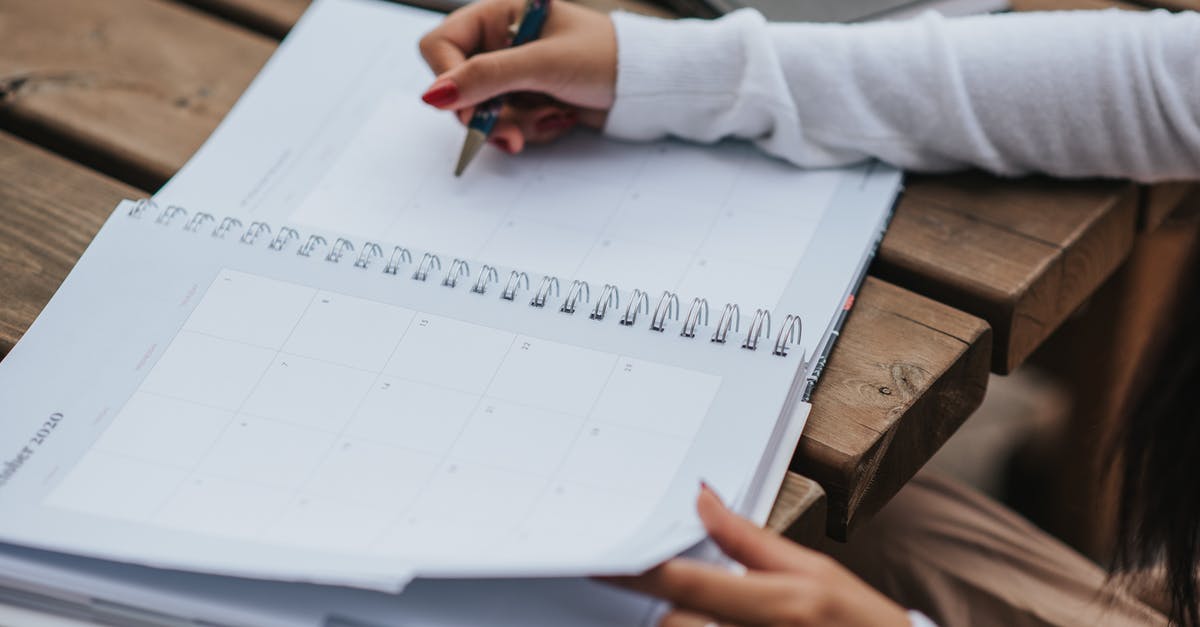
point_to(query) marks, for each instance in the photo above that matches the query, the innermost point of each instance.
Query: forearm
(1080, 94)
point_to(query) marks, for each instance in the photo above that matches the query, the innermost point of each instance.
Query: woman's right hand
(565, 77)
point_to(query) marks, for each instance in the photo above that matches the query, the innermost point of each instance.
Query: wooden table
(101, 100)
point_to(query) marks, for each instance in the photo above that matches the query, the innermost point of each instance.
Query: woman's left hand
(785, 583)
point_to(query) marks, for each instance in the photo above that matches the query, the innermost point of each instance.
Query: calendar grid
(233, 417)
(350, 427)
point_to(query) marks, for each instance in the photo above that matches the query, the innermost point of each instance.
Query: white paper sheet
(333, 136)
(265, 414)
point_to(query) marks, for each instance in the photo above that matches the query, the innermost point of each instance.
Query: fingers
(516, 128)
(683, 618)
(701, 588)
(525, 68)
(475, 27)
(753, 546)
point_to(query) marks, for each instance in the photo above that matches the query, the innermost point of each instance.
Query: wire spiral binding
(198, 221)
(761, 317)
(400, 255)
(789, 331)
(314, 242)
(608, 296)
(667, 304)
(667, 308)
(487, 274)
(283, 238)
(428, 262)
(577, 288)
(256, 229)
(698, 310)
(514, 281)
(226, 225)
(370, 251)
(539, 299)
(458, 268)
(731, 315)
(639, 301)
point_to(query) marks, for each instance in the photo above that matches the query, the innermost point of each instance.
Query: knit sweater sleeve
(1072, 94)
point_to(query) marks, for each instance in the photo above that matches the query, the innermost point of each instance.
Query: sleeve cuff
(919, 620)
(669, 71)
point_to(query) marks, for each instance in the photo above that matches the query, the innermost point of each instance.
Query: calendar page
(227, 407)
(333, 136)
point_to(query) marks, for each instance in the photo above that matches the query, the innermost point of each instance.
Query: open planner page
(204, 398)
(332, 135)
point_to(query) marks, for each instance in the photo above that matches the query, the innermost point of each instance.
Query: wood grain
(1160, 201)
(51, 208)
(129, 87)
(276, 17)
(906, 372)
(1023, 254)
(273, 18)
(800, 510)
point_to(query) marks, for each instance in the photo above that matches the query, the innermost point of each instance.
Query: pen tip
(475, 140)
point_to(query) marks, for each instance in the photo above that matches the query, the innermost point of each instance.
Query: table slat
(1023, 254)
(128, 87)
(51, 208)
(903, 376)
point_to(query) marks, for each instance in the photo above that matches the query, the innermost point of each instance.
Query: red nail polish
(442, 93)
(555, 122)
(502, 144)
(704, 486)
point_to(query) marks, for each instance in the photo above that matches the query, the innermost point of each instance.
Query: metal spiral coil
(789, 334)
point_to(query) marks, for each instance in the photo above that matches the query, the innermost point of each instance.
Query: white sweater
(1072, 94)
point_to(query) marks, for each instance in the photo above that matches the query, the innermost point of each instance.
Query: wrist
(669, 70)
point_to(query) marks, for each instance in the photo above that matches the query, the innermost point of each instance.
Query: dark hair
(1158, 518)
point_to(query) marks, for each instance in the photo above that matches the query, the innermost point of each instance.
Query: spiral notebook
(315, 356)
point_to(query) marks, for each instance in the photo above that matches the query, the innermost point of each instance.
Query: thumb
(754, 547)
(488, 74)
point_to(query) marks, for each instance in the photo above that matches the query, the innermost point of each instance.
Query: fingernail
(555, 122)
(441, 93)
(704, 486)
(502, 144)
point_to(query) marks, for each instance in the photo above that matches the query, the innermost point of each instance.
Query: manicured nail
(441, 93)
(502, 144)
(556, 122)
(704, 486)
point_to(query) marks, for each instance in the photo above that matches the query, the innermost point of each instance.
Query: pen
(827, 348)
(525, 30)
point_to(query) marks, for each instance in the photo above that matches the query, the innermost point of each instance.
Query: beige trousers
(963, 559)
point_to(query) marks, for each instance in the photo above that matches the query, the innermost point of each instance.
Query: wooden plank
(1172, 5)
(276, 17)
(273, 18)
(906, 372)
(1022, 254)
(129, 87)
(1161, 200)
(51, 210)
(800, 510)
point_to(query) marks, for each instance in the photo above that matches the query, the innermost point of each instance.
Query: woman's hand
(786, 584)
(565, 77)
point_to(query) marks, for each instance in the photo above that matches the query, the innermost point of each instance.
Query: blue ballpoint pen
(486, 114)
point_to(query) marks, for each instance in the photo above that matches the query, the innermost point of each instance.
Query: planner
(316, 357)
